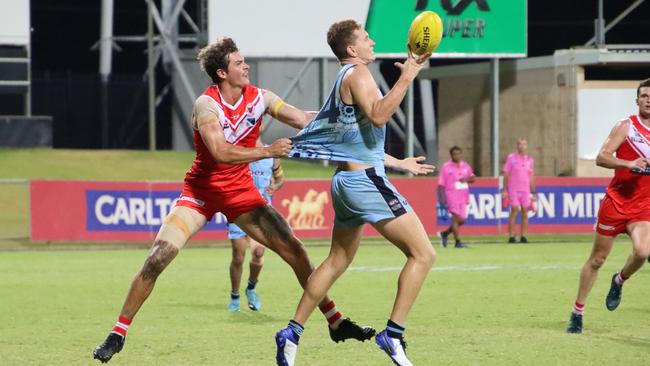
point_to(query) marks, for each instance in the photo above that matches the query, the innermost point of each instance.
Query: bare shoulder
(621, 126)
(206, 111)
(204, 101)
(358, 72)
(623, 122)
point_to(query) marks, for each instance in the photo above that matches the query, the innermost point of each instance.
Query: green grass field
(119, 165)
(493, 304)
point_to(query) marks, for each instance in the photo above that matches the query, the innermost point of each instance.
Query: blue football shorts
(365, 196)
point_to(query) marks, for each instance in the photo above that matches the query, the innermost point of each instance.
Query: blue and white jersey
(340, 132)
(262, 170)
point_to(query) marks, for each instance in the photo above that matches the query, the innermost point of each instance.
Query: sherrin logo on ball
(425, 33)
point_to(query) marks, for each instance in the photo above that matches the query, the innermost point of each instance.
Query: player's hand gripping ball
(425, 33)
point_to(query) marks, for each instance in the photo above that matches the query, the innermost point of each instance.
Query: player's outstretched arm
(284, 112)
(606, 158)
(413, 165)
(363, 89)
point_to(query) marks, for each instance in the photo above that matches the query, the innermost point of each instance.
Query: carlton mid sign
(104, 211)
(134, 211)
(564, 205)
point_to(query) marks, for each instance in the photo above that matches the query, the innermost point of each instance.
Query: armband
(276, 107)
(278, 172)
(640, 171)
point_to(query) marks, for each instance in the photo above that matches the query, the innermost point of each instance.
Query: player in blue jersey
(268, 178)
(350, 129)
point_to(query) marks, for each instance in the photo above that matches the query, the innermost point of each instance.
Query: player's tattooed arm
(206, 119)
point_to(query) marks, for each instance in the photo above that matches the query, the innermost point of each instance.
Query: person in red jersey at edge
(625, 208)
(226, 120)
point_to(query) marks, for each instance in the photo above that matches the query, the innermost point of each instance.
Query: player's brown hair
(341, 35)
(215, 56)
(644, 84)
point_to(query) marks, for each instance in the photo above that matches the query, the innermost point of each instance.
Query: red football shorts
(611, 222)
(208, 201)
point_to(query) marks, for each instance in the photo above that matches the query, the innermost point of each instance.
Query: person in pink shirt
(453, 192)
(519, 188)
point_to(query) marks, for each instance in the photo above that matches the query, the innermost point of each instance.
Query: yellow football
(425, 33)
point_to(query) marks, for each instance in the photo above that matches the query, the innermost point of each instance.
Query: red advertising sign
(133, 211)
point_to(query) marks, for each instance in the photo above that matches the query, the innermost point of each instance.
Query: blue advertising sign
(556, 205)
(112, 210)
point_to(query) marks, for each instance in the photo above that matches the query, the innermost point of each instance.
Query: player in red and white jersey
(625, 208)
(226, 120)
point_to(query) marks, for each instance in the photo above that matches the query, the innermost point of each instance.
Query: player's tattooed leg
(161, 254)
(271, 223)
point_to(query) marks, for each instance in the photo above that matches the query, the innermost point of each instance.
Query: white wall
(14, 22)
(281, 28)
(598, 110)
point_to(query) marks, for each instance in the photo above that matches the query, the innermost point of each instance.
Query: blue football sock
(394, 330)
(251, 285)
(296, 328)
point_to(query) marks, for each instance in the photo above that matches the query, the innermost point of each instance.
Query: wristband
(640, 171)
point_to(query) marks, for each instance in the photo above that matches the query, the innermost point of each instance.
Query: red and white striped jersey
(241, 125)
(630, 192)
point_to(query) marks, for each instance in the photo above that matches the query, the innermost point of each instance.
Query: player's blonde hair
(215, 56)
(341, 35)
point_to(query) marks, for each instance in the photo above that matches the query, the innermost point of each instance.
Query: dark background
(66, 81)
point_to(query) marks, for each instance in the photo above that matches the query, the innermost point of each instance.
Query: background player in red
(519, 188)
(226, 120)
(625, 208)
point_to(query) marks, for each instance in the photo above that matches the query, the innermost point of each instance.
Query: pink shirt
(519, 170)
(451, 174)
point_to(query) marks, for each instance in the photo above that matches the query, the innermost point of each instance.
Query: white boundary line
(550, 267)
(13, 181)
